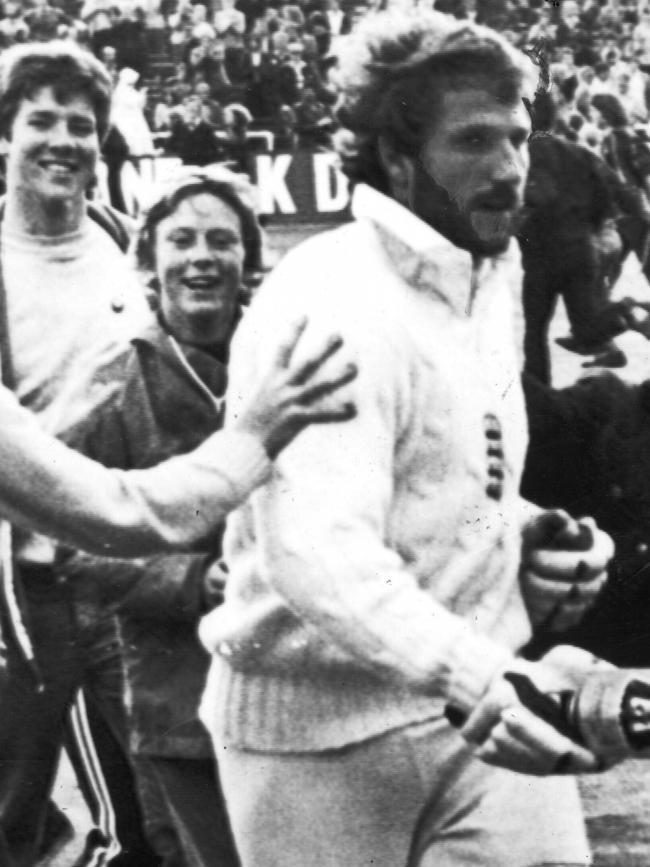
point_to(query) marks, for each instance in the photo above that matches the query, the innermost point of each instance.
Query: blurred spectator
(253, 10)
(128, 116)
(128, 37)
(212, 66)
(237, 58)
(154, 25)
(629, 156)
(192, 138)
(211, 110)
(201, 29)
(319, 31)
(108, 57)
(291, 74)
(286, 137)
(96, 15)
(180, 24)
(43, 21)
(641, 40)
(115, 152)
(603, 82)
(569, 204)
(228, 17)
(263, 89)
(314, 124)
(12, 26)
(237, 148)
(631, 100)
(338, 21)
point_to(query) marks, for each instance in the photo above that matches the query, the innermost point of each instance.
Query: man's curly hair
(394, 69)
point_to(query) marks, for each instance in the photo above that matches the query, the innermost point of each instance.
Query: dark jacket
(568, 196)
(160, 408)
(589, 453)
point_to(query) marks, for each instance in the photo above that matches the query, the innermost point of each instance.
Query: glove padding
(513, 736)
(563, 568)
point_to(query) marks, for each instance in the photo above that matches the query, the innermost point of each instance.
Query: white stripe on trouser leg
(88, 763)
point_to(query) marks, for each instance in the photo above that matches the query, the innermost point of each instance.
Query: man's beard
(467, 221)
(494, 230)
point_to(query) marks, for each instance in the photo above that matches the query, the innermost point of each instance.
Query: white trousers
(414, 797)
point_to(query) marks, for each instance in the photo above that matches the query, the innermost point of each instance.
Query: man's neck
(33, 216)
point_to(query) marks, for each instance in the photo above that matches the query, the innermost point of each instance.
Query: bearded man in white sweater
(375, 579)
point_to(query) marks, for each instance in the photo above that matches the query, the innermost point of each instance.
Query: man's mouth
(203, 284)
(498, 204)
(59, 166)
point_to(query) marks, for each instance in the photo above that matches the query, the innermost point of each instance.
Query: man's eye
(181, 241)
(221, 241)
(39, 123)
(474, 140)
(82, 129)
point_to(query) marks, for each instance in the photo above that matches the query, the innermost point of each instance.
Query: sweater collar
(424, 258)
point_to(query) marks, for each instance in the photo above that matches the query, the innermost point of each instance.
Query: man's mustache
(498, 199)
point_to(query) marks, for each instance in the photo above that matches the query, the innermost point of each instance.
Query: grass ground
(617, 803)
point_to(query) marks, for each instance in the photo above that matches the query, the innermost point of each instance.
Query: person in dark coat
(628, 155)
(197, 241)
(589, 453)
(192, 136)
(570, 210)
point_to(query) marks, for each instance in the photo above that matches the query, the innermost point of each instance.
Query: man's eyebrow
(479, 127)
(223, 230)
(41, 112)
(472, 128)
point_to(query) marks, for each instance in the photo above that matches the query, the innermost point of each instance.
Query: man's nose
(511, 165)
(203, 256)
(60, 135)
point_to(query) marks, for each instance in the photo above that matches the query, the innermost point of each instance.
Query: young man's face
(468, 181)
(199, 261)
(53, 147)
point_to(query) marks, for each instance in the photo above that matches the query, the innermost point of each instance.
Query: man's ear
(399, 170)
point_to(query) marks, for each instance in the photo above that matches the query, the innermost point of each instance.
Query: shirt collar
(423, 257)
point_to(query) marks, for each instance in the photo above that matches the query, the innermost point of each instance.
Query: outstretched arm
(47, 487)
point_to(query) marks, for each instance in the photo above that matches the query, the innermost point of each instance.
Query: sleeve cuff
(475, 660)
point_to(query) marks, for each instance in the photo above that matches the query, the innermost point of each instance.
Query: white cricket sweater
(374, 577)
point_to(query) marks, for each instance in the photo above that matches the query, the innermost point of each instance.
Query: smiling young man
(68, 303)
(375, 578)
(197, 241)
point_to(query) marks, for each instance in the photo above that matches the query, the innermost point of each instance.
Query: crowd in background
(221, 80)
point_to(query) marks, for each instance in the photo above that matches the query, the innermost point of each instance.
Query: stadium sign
(301, 187)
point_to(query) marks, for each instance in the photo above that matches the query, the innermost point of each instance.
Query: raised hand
(293, 395)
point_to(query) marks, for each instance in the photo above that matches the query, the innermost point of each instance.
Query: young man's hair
(396, 67)
(68, 69)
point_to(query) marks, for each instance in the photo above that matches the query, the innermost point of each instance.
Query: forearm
(51, 489)
(333, 567)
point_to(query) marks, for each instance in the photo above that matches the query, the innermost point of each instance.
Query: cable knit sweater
(374, 577)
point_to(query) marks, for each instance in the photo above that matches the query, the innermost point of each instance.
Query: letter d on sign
(330, 184)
